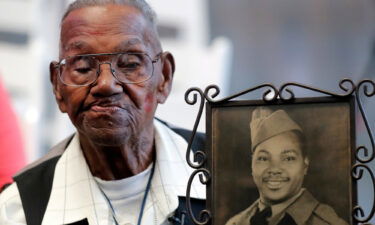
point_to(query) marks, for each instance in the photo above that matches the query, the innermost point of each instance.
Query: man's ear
(306, 161)
(167, 70)
(54, 73)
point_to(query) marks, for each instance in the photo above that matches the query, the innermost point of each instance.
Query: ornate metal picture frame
(336, 161)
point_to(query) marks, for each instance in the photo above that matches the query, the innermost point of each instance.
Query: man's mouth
(105, 108)
(275, 183)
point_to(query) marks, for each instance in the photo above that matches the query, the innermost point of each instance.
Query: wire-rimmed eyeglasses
(126, 67)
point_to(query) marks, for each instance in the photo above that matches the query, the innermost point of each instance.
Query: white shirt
(75, 194)
(126, 195)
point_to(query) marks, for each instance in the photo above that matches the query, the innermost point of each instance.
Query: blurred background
(235, 44)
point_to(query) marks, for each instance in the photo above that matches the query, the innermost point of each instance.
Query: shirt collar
(75, 194)
(302, 214)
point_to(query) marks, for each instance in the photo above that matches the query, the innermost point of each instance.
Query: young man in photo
(279, 165)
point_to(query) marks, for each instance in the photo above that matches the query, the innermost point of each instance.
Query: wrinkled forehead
(95, 22)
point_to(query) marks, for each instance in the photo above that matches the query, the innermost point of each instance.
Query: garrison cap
(266, 124)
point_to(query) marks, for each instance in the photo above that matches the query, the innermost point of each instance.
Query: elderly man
(121, 166)
(279, 164)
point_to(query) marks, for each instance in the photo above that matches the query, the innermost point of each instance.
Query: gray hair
(141, 5)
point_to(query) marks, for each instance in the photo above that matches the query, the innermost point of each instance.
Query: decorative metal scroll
(368, 87)
(284, 94)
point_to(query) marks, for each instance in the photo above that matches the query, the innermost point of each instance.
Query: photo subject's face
(108, 111)
(278, 168)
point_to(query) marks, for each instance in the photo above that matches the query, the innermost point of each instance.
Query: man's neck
(118, 162)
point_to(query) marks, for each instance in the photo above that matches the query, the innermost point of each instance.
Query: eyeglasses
(83, 70)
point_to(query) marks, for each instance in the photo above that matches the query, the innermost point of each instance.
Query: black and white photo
(281, 164)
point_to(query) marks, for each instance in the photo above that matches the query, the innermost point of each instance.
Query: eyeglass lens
(127, 68)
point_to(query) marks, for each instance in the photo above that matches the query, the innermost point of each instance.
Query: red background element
(12, 157)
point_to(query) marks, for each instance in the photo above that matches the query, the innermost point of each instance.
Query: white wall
(199, 63)
(20, 71)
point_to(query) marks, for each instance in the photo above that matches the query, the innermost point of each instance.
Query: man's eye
(262, 158)
(290, 158)
(128, 65)
(83, 70)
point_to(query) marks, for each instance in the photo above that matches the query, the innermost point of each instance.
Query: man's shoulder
(328, 214)
(308, 210)
(54, 152)
(33, 184)
(243, 217)
(45, 162)
(325, 214)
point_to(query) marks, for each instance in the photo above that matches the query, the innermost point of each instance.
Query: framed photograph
(296, 157)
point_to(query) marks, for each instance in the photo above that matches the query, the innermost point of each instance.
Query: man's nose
(106, 83)
(274, 168)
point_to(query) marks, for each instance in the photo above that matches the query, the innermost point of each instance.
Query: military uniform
(306, 210)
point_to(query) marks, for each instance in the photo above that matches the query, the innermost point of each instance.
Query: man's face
(110, 112)
(278, 168)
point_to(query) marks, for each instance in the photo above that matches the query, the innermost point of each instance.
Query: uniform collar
(279, 208)
(292, 207)
(302, 214)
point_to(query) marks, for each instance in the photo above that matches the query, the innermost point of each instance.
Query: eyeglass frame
(155, 60)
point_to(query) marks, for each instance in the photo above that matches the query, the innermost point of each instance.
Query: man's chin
(108, 136)
(275, 197)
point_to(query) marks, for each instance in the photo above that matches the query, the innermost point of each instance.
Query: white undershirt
(126, 195)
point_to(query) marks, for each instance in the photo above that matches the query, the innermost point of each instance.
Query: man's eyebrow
(286, 151)
(76, 45)
(124, 45)
(263, 151)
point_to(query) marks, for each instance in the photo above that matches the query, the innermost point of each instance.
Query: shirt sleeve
(11, 211)
(12, 156)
